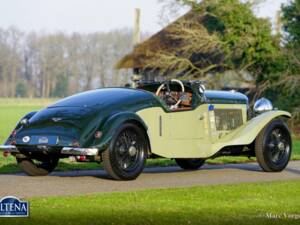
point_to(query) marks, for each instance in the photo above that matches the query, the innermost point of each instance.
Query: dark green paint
(225, 97)
(81, 115)
(110, 126)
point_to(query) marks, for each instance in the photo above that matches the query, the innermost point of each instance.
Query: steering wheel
(168, 93)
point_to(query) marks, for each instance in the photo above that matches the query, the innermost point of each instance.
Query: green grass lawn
(11, 110)
(222, 204)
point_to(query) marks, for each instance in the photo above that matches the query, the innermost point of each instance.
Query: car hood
(225, 97)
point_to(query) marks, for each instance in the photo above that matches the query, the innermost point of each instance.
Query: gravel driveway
(96, 181)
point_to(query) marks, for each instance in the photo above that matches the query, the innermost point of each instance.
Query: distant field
(11, 110)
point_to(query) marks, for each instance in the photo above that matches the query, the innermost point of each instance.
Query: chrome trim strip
(160, 126)
(79, 151)
(9, 148)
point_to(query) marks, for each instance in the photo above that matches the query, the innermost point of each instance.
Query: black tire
(273, 146)
(190, 164)
(32, 168)
(127, 153)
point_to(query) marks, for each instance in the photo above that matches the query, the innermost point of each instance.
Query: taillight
(81, 158)
(13, 133)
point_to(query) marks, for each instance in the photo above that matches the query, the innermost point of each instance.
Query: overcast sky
(89, 15)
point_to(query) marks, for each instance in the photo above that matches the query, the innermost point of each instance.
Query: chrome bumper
(9, 148)
(65, 150)
(79, 151)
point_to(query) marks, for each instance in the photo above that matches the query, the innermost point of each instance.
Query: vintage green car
(122, 127)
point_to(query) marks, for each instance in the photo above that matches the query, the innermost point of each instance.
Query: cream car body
(193, 134)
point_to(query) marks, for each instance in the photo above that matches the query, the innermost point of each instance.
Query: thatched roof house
(147, 49)
(190, 37)
(170, 40)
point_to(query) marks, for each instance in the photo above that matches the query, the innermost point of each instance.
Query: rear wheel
(38, 168)
(273, 146)
(126, 156)
(190, 164)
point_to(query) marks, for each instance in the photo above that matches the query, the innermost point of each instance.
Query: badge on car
(26, 139)
(56, 119)
(43, 140)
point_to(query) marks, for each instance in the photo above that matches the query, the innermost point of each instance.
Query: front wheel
(126, 156)
(273, 146)
(37, 168)
(190, 164)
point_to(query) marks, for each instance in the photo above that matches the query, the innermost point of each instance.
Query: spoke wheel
(38, 168)
(278, 145)
(128, 150)
(273, 146)
(126, 156)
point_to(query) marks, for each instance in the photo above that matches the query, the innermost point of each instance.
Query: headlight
(262, 105)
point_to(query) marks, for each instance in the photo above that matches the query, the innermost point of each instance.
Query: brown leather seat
(188, 101)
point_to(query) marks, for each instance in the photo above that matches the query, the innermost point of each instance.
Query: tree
(10, 61)
(291, 23)
(21, 89)
(220, 35)
(61, 87)
(59, 64)
(290, 80)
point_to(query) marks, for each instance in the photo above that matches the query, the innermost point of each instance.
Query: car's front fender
(246, 134)
(111, 125)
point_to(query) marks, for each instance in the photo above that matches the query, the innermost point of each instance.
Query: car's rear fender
(18, 125)
(246, 134)
(27, 116)
(109, 127)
